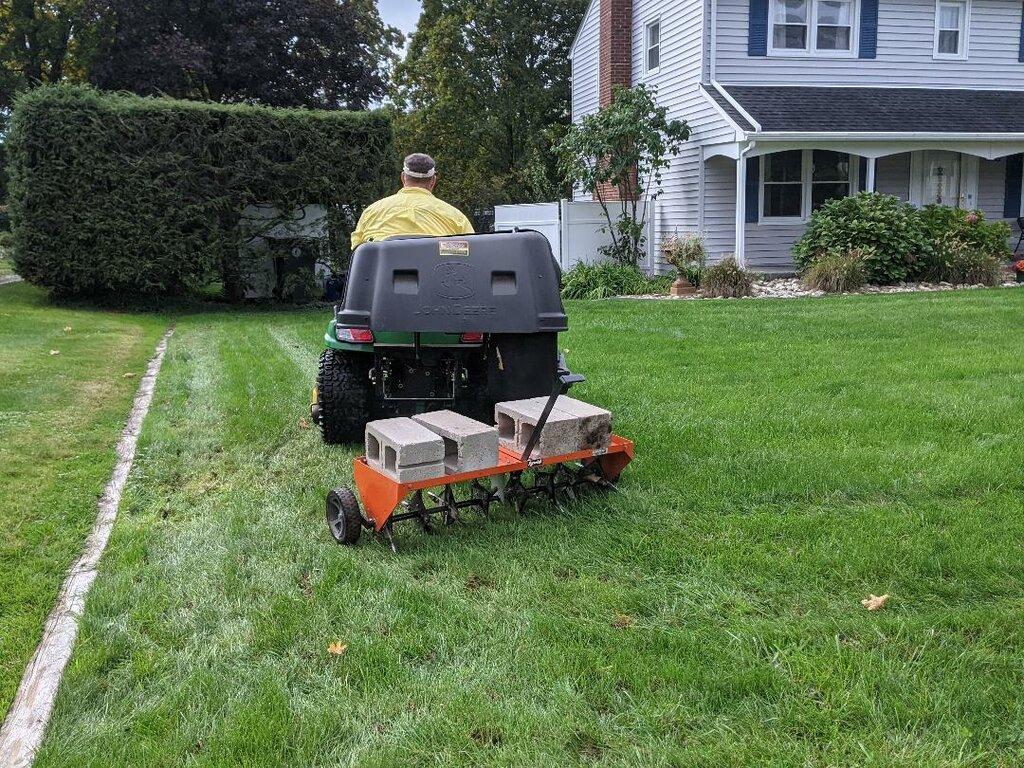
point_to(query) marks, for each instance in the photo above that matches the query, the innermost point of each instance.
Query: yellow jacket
(411, 211)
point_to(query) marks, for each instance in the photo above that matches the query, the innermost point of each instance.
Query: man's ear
(433, 182)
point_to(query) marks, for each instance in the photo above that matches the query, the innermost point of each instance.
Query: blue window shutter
(757, 30)
(753, 189)
(862, 174)
(1020, 48)
(868, 29)
(1011, 196)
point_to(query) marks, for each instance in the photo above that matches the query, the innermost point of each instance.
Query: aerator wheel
(343, 515)
(343, 395)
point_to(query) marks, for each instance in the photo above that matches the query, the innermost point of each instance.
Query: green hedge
(116, 195)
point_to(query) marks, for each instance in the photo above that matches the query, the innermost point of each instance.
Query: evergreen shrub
(117, 196)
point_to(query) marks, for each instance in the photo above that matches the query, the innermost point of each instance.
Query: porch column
(741, 209)
(869, 182)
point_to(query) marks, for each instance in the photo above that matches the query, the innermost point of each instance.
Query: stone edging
(26, 720)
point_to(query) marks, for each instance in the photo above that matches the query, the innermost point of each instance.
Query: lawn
(792, 456)
(60, 419)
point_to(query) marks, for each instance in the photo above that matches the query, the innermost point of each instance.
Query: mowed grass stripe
(60, 418)
(790, 460)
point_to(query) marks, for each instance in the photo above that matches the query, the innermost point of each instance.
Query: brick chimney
(615, 62)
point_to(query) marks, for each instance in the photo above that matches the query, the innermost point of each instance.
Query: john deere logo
(453, 280)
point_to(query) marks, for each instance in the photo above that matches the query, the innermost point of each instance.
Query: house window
(783, 185)
(823, 27)
(951, 29)
(798, 181)
(652, 46)
(834, 25)
(830, 176)
(789, 25)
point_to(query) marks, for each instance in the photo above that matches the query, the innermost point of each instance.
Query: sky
(400, 13)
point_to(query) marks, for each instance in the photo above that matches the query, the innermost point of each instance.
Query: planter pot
(1020, 277)
(682, 287)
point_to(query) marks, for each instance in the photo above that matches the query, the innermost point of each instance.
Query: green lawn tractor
(429, 323)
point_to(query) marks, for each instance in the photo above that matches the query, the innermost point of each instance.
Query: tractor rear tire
(344, 395)
(343, 515)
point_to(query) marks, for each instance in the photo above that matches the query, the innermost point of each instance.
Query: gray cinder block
(404, 450)
(468, 444)
(572, 425)
(517, 419)
(595, 423)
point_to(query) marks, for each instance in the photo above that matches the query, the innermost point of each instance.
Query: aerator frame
(515, 479)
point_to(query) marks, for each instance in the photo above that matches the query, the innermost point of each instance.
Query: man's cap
(419, 166)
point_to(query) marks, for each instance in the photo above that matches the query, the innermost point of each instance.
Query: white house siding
(991, 188)
(768, 246)
(678, 86)
(991, 194)
(904, 54)
(719, 207)
(892, 175)
(683, 38)
(584, 55)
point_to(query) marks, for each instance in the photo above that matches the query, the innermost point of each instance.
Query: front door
(941, 177)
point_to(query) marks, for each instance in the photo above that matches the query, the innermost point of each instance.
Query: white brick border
(26, 720)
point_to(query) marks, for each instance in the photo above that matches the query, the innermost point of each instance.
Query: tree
(309, 53)
(40, 42)
(624, 146)
(485, 89)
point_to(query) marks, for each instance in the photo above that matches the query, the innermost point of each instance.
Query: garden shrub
(606, 279)
(115, 195)
(886, 230)
(964, 262)
(965, 247)
(836, 271)
(726, 279)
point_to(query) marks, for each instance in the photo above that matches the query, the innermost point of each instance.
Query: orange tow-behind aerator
(514, 479)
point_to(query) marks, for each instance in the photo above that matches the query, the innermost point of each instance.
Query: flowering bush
(687, 254)
(1019, 265)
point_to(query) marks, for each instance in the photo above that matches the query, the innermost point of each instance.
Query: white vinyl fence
(574, 228)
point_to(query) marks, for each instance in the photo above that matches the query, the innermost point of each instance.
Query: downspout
(741, 204)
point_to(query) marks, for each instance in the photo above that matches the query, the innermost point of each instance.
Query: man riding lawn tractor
(435, 317)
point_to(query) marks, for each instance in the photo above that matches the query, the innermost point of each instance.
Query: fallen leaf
(303, 423)
(875, 602)
(621, 621)
(129, 375)
(67, 329)
(54, 352)
(337, 649)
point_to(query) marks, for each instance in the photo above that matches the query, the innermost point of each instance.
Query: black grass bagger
(440, 322)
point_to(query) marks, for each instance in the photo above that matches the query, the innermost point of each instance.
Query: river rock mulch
(793, 288)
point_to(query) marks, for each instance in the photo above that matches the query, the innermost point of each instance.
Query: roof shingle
(896, 110)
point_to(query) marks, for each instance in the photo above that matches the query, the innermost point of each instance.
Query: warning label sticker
(453, 247)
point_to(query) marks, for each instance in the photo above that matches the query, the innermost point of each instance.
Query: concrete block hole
(506, 427)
